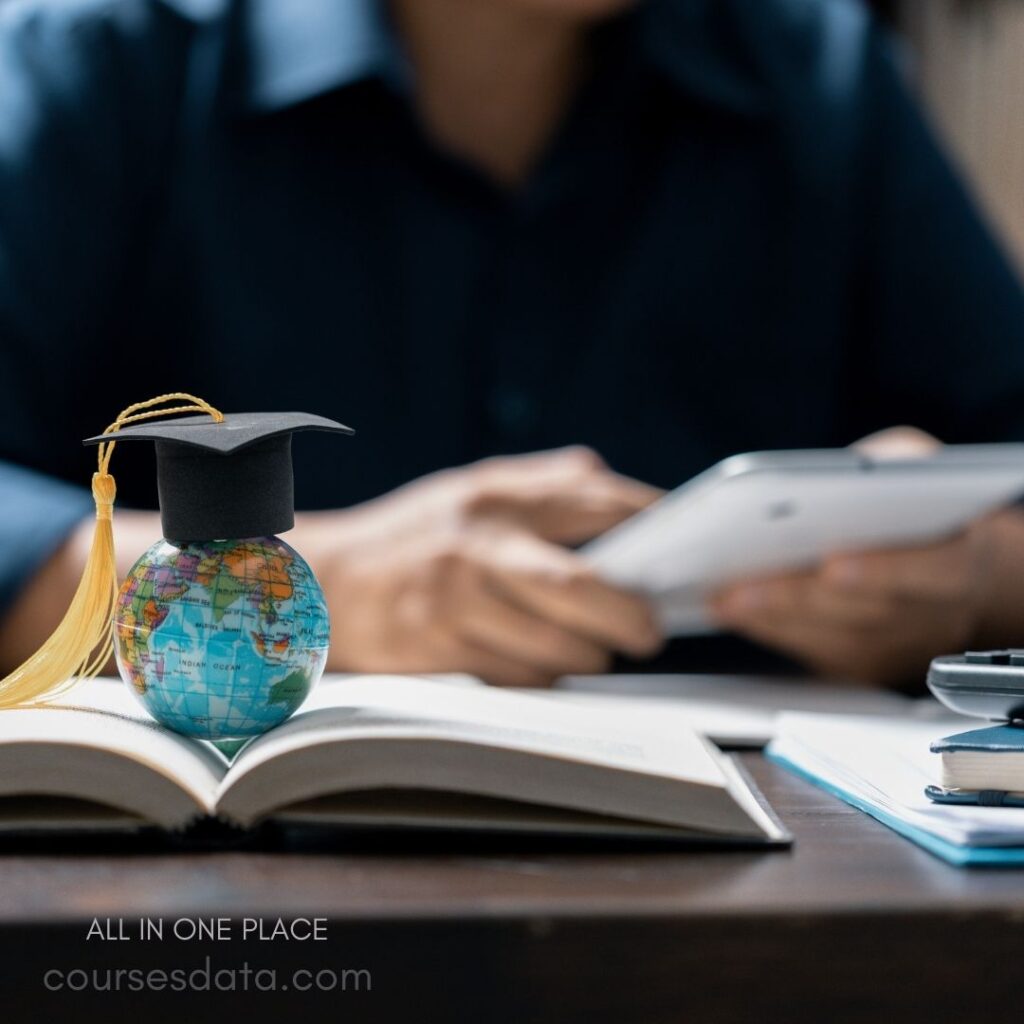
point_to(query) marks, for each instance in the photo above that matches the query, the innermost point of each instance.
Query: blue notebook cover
(993, 739)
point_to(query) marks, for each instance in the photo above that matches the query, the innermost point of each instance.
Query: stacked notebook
(888, 768)
(982, 766)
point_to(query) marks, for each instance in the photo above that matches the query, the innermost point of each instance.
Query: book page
(421, 706)
(732, 710)
(425, 809)
(736, 711)
(408, 732)
(97, 743)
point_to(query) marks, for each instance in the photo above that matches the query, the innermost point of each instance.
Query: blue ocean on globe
(221, 639)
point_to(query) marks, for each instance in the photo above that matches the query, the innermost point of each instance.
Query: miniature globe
(221, 639)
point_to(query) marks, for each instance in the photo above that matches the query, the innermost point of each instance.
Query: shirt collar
(294, 50)
(707, 51)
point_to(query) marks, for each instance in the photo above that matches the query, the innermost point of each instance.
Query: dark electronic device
(983, 684)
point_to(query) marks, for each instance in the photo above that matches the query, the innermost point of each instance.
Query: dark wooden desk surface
(853, 923)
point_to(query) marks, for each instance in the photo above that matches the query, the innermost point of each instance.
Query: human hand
(464, 571)
(880, 616)
(876, 617)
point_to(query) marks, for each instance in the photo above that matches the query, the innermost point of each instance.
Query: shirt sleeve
(69, 201)
(941, 342)
(38, 513)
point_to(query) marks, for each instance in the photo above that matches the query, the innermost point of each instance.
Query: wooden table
(853, 924)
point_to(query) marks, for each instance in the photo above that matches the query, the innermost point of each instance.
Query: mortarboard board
(226, 479)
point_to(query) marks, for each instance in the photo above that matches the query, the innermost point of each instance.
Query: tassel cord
(82, 643)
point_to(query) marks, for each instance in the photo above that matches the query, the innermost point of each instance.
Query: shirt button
(513, 410)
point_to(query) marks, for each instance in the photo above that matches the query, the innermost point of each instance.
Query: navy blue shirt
(742, 236)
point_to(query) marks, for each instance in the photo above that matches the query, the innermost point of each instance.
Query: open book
(377, 751)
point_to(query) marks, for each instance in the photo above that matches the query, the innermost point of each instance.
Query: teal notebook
(882, 766)
(992, 739)
(981, 766)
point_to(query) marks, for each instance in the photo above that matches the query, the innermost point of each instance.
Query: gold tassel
(81, 645)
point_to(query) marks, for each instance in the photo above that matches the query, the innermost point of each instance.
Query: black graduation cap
(226, 480)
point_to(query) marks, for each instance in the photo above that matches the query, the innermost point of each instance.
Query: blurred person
(535, 230)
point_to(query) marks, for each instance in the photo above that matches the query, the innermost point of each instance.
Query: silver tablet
(768, 512)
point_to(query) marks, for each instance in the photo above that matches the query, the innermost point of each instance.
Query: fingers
(798, 598)
(937, 571)
(829, 650)
(856, 586)
(834, 633)
(877, 616)
(486, 597)
(601, 501)
(493, 668)
(493, 624)
(558, 586)
(898, 443)
(568, 495)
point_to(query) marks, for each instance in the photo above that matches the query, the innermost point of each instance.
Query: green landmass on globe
(221, 639)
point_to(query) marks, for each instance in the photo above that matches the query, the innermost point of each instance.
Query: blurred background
(460, 305)
(967, 62)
